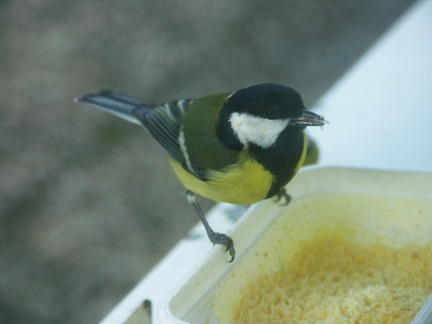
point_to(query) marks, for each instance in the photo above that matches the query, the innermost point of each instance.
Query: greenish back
(200, 121)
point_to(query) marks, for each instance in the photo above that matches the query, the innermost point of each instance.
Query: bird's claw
(225, 240)
(283, 194)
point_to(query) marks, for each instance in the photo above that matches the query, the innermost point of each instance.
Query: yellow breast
(244, 183)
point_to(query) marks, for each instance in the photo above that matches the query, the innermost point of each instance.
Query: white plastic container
(394, 208)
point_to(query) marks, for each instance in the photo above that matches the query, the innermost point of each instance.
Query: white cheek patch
(257, 130)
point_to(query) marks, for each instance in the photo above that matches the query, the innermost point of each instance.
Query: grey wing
(164, 123)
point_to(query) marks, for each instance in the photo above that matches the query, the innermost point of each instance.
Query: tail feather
(115, 103)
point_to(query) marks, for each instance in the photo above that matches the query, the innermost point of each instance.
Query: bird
(237, 147)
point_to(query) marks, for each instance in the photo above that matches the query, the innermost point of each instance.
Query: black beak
(308, 118)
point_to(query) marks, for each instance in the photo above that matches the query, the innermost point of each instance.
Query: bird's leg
(215, 238)
(283, 194)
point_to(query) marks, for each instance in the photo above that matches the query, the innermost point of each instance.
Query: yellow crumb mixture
(334, 280)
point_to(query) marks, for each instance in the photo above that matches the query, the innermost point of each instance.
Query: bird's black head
(259, 114)
(268, 100)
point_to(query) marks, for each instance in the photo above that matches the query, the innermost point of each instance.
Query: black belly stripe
(281, 159)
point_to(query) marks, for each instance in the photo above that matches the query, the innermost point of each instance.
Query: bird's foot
(225, 240)
(283, 195)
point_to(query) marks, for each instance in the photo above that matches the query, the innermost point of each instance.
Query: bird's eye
(271, 113)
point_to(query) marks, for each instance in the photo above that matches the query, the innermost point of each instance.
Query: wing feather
(164, 123)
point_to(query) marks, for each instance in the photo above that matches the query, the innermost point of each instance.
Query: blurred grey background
(88, 204)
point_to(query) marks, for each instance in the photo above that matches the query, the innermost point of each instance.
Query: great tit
(239, 147)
